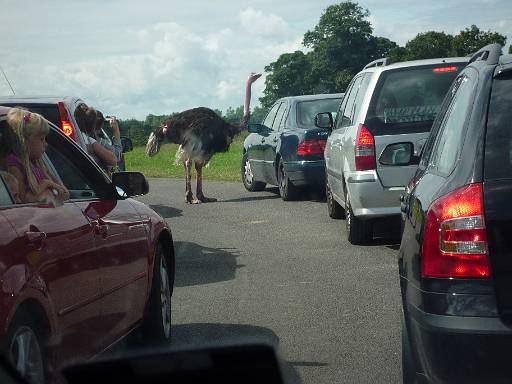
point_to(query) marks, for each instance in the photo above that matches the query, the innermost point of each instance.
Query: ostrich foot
(190, 199)
(205, 199)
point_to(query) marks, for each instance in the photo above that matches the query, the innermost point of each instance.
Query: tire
(359, 232)
(287, 190)
(335, 210)
(248, 178)
(156, 326)
(408, 368)
(25, 349)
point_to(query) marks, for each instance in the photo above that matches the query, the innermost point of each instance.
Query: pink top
(14, 161)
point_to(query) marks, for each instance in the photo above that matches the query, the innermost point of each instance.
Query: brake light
(455, 239)
(444, 69)
(66, 125)
(311, 147)
(365, 149)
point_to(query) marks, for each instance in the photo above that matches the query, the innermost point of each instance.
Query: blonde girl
(28, 143)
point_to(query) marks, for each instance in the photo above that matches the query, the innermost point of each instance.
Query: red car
(79, 277)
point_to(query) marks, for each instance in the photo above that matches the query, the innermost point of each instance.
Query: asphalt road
(252, 267)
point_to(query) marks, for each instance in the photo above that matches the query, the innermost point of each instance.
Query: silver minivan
(380, 128)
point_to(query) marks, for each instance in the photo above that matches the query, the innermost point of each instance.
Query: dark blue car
(287, 149)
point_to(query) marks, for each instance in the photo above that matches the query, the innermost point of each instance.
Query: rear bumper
(465, 349)
(304, 172)
(369, 199)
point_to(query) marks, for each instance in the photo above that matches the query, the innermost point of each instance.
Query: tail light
(311, 147)
(65, 121)
(445, 69)
(455, 239)
(365, 149)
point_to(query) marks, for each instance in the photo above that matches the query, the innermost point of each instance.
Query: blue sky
(132, 58)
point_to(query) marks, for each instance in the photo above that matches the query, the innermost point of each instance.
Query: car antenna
(8, 82)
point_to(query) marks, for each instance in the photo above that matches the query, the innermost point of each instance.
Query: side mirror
(324, 120)
(398, 154)
(127, 144)
(256, 128)
(130, 184)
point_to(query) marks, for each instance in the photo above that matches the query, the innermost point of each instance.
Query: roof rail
(490, 53)
(377, 63)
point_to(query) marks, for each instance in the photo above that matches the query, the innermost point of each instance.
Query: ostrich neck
(247, 101)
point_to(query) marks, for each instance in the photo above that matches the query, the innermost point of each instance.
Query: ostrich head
(155, 139)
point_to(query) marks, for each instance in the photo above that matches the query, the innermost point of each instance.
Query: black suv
(455, 260)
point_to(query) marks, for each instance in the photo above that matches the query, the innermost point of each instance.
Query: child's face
(36, 146)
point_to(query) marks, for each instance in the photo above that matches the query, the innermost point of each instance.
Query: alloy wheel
(25, 354)
(165, 298)
(248, 173)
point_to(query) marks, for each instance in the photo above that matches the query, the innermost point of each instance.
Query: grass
(223, 166)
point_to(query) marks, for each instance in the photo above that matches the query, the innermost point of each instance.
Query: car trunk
(402, 110)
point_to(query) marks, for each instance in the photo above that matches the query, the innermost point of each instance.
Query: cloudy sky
(133, 57)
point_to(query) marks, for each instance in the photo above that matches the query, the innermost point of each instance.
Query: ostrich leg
(188, 183)
(199, 188)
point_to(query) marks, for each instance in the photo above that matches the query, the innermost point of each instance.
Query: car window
(407, 100)
(346, 114)
(5, 197)
(307, 110)
(279, 117)
(451, 134)
(72, 177)
(498, 142)
(363, 87)
(269, 120)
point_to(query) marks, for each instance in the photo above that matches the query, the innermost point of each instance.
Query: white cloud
(261, 24)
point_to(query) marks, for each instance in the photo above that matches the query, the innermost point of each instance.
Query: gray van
(381, 126)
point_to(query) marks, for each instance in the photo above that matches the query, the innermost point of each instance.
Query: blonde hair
(25, 124)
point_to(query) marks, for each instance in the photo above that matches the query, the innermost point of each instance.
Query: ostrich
(201, 133)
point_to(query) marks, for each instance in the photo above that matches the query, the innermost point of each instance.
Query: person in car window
(86, 118)
(114, 145)
(29, 131)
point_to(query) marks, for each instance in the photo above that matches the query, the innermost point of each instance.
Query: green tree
(234, 115)
(258, 114)
(429, 45)
(289, 75)
(471, 39)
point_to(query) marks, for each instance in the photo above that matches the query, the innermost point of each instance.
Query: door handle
(262, 139)
(275, 139)
(36, 238)
(100, 227)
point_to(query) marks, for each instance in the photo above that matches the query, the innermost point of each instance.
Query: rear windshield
(407, 100)
(498, 142)
(307, 110)
(49, 111)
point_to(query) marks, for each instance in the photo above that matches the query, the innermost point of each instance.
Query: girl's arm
(108, 157)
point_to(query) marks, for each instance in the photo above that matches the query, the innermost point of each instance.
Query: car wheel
(359, 231)
(25, 350)
(248, 178)
(335, 210)
(157, 325)
(408, 369)
(287, 190)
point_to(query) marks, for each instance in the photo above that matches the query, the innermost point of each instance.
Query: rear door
(402, 109)
(335, 144)
(498, 189)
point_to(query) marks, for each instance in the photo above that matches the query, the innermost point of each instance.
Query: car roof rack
(490, 53)
(377, 63)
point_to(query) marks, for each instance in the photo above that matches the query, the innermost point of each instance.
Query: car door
(258, 142)
(335, 147)
(120, 241)
(57, 246)
(272, 142)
